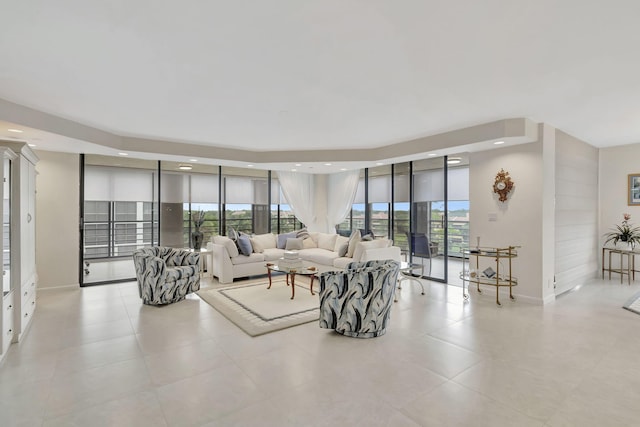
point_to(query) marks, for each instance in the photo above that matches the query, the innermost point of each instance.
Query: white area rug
(258, 310)
(633, 304)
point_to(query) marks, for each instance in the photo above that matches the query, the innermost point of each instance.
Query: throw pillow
(294, 244)
(353, 241)
(327, 241)
(367, 238)
(342, 251)
(232, 234)
(244, 244)
(266, 241)
(309, 243)
(282, 239)
(303, 233)
(257, 247)
(340, 240)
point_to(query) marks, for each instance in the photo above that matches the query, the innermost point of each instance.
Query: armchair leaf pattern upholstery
(357, 301)
(166, 275)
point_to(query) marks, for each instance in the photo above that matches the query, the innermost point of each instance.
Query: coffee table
(291, 272)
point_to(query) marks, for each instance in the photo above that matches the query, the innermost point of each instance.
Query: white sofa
(318, 249)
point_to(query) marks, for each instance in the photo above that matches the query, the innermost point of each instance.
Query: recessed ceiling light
(249, 166)
(123, 154)
(15, 130)
(432, 154)
(379, 164)
(327, 164)
(294, 170)
(343, 169)
(193, 160)
(499, 142)
(185, 167)
(32, 145)
(298, 164)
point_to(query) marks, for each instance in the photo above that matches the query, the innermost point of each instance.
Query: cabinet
(7, 318)
(19, 306)
(489, 266)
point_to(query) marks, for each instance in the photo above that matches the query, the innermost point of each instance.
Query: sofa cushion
(244, 244)
(353, 241)
(265, 241)
(294, 244)
(363, 246)
(257, 247)
(229, 244)
(318, 256)
(282, 239)
(340, 240)
(309, 243)
(327, 241)
(273, 254)
(243, 259)
(342, 262)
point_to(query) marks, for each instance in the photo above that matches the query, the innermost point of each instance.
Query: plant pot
(196, 239)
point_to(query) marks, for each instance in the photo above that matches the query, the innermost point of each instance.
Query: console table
(629, 270)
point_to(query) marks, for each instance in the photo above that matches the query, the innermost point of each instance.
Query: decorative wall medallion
(502, 185)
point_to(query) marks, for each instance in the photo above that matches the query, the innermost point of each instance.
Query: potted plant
(624, 233)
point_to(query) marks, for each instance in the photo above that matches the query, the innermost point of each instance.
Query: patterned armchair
(166, 275)
(357, 301)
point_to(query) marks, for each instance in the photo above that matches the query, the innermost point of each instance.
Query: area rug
(633, 303)
(258, 310)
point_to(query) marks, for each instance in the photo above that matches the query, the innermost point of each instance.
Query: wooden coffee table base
(292, 274)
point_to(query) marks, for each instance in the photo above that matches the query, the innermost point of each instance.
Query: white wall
(519, 220)
(576, 231)
(57, 213)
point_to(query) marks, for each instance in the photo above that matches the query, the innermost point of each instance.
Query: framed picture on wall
(634, 189)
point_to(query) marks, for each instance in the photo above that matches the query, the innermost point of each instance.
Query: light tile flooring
(98, 357)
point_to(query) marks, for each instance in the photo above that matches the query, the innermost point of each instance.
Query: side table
(629, 270)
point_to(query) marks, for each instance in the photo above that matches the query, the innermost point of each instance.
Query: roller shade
(118, 184)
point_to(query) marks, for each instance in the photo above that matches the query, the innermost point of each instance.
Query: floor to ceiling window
(379, 201)
(188, 191)
(401, 205)
(246, 200)
(119, 215)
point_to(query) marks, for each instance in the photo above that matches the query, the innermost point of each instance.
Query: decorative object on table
(634, 189)
(503, 185)
(624, 233)
(196, 234)
(290, 259)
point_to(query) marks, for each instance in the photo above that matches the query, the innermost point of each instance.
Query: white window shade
(276, 193)
(428, 186)
(174, 188)
(401, 188)
(204, 188)
(260, 192)
(359, 192)
(238, 189)
(379, 189)
(458, 184)
(118, 184)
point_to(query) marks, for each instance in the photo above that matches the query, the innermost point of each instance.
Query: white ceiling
(299, 75)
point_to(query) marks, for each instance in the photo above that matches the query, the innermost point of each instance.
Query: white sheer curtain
(341, 192)
(319, 201)
(299, 190)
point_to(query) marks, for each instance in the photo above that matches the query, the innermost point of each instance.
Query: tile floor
(98, 357)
